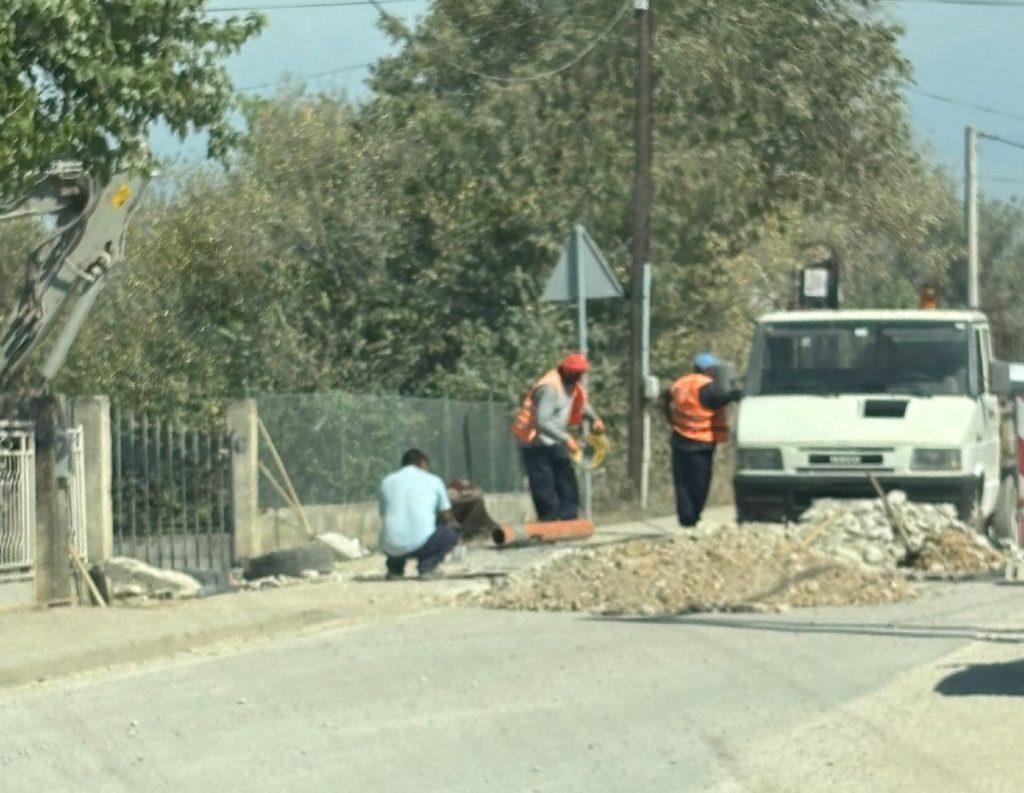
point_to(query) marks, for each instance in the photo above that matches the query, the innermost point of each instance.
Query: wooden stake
(296, 507)
(80, 568)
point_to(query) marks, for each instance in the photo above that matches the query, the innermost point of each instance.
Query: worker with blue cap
(695, 408)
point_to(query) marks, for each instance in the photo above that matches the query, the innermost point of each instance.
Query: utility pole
(971, 210)
(642, 195)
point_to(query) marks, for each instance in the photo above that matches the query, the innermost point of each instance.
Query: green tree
(85, 80)
(405, 241)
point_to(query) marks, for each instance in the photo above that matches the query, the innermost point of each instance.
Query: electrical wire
(981, 108)
(558, 69)
(357, 66)
(1002, 140)
(303, 77)
(963, 3)
(1001, 180)
(304, 6)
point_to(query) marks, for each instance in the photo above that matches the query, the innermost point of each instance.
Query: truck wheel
(1004, 519)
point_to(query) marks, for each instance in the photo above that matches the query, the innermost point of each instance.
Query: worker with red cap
(555, 403)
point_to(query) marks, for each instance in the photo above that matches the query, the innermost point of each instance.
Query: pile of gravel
(735, 568)
(885, 535)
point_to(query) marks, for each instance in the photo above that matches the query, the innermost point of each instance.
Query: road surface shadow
(985, 680)
(894, 630)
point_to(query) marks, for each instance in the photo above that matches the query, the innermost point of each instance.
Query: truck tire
(291, 562)
(1004, 519)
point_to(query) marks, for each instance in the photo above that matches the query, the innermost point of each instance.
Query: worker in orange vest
(555, 403)
(695, 408)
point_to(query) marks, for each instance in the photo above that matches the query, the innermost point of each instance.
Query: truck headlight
(759, 459)
(935, 460)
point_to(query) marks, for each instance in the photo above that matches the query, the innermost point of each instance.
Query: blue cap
(705, 360)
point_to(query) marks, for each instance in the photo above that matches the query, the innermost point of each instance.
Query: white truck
(912, 399)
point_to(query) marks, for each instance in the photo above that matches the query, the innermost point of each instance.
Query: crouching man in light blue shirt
(416, 517)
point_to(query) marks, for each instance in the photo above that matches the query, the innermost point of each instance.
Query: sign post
(582, 274)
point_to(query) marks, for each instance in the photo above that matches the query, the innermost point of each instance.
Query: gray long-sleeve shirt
(553, 408)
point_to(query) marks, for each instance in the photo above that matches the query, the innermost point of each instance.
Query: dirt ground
(731, 569)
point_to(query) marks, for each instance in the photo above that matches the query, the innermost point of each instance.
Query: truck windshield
(916, 358)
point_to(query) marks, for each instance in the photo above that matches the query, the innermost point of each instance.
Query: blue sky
(972, 55)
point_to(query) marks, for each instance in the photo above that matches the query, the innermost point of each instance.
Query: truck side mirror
(999, 379)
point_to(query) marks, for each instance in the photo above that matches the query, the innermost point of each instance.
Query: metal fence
(172, 493)
(17, 497)
(337, 446)
(76, 492)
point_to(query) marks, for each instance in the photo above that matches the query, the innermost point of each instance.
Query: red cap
(576, 363)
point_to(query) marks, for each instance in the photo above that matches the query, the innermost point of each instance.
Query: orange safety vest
(690, 418)
(525, 425)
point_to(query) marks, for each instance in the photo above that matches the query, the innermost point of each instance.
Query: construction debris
(345, 548)
(281, 581)
(839, 553)
(885, 535)
(748, 568)
(122, 577)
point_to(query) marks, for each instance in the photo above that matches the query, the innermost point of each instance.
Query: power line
(999, 139)
(303, 77)
(1002, 180)
(286, 6)
(964, 3)
(558, 69)
(981, 108)
(357, 66)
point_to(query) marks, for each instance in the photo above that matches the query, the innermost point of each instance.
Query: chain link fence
(337, 446)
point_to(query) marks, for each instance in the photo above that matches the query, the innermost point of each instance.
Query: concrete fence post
(93, 414)
(243, 423)
(53, 562)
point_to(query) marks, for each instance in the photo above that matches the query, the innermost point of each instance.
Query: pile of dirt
(748, 568)
(885, 535)
(956, 552)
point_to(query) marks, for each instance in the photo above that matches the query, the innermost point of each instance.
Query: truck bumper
(787, 497)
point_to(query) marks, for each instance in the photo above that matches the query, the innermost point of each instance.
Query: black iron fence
(172, 493)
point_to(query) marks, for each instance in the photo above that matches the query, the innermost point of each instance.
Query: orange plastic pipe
(550, 531)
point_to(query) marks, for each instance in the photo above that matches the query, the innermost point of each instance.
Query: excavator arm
(66, 273)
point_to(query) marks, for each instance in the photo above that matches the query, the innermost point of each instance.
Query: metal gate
(17, 498)
(172, 493)
(76, 492)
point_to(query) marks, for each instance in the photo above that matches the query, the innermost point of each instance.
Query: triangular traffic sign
(581, 257)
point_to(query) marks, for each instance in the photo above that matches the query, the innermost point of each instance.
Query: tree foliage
(401, 245)
(84, 80)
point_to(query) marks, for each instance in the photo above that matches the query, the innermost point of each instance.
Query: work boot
(431, 575)
(394, 576)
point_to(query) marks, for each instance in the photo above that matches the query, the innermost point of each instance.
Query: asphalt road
(468, 700)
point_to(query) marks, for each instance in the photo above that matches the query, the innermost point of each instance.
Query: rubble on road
(122, 578)
(345, 548)
(280, 581)
(885, 535)
(735, 568)
(839, 553)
